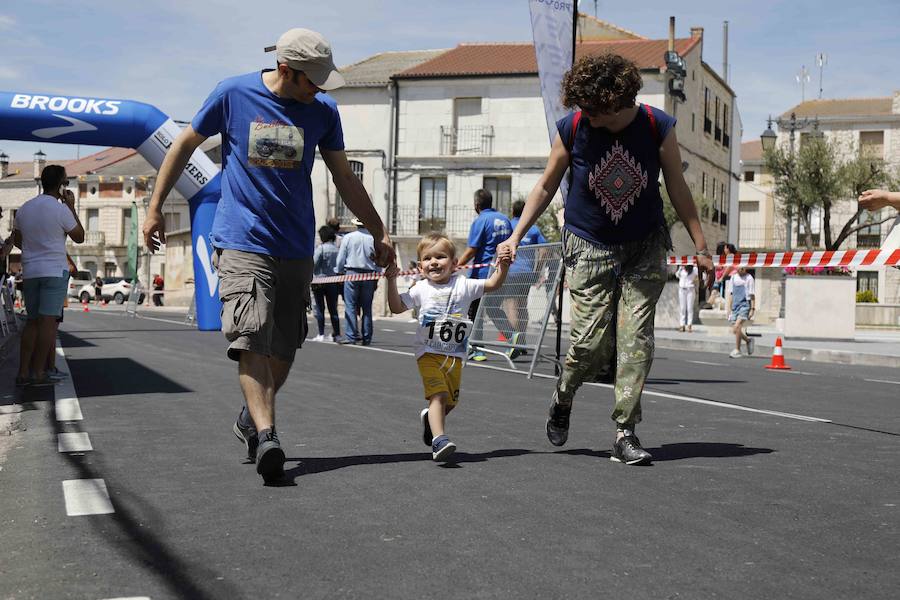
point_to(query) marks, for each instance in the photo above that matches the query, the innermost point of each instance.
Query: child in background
(443, 298)
(741, 306)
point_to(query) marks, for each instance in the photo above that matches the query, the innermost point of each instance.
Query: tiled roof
(845, 107)
(519, 58)
(752, 150)
(378, 69)
(98, 160)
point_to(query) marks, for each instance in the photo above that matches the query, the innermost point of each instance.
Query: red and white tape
(821, 258)
(374, 276)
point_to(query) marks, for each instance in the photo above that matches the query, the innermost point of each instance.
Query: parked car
(77, 283)
(115, 289)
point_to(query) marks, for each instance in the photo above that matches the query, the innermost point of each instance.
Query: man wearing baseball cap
(271, 123)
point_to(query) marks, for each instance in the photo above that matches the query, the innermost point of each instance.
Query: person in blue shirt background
(488, 230)
(356, 256)
(523, 274)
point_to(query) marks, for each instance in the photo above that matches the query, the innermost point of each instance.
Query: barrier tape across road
(820, 258)
(379, 275)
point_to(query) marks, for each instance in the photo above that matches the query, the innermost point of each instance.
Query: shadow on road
(703, 450)
(67, 340)
(308, 466)
(682, 451)
(117, 377)
(674, 381)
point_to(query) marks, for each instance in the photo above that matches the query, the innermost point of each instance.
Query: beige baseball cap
(306, 50)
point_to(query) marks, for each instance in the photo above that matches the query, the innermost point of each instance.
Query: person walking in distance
(741, 303)
(442, 297)
(687, 294)
(326, 294)
(487, 231)
(355, 258)
(272, 122)
(615, 239)
(40, 230)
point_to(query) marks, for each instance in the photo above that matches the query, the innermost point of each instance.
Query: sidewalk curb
(818, 355)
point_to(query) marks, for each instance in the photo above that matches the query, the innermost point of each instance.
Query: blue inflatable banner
(127, 124)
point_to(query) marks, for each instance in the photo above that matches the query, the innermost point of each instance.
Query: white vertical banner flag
(551, 25)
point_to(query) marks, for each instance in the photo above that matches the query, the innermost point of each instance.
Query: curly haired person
(615, 239)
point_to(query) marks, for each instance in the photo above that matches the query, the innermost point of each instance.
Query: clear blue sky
(170, 53)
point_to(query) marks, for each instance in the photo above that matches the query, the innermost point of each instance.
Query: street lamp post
(768, 139)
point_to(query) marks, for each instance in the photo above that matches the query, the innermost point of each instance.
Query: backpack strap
(653, 126)
(575, 120)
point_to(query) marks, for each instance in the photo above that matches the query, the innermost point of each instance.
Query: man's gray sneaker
(558, 422)
(247, 434)
(628, 450)
(269, 456)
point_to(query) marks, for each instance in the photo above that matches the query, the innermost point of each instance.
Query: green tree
(548, 222)
(823, 174)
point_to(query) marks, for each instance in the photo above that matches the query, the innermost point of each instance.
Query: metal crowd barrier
(511, 322)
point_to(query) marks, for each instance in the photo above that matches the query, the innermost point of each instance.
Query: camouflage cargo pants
(606, 282)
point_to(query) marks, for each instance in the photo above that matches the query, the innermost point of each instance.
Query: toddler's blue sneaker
(442, 448)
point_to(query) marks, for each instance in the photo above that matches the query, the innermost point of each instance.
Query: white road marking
(410, 332)
(130, 598)
(140, 316)
(67, 407)
(884, 381)
(388, 330)
(791, 372)
(74, 442)
(86, 497)
(703, 362)
(647, 392)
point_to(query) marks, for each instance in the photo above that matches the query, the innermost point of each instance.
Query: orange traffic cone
(85, 305)
(778, 357)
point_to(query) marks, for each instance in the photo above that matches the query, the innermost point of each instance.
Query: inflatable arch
(127, 124)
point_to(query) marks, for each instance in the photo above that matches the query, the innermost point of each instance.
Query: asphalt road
(764, 484)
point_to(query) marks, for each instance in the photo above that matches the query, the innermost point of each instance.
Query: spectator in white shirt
(40, 230)
(687, 292)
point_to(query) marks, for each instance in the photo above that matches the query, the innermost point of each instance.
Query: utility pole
(821, 60)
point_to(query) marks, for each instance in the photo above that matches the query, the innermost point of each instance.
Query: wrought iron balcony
(475, 140)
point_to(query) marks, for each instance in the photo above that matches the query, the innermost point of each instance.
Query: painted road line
(647, 392)
(86, 497)
(884, 381)
(388, 330)
(130, 598)
(74, 442)
(67, 407)
(703, 362)
(790, 372)
(410, 332)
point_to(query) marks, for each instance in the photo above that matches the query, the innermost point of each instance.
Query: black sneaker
(628, 450)
(426, 427)
(269, 456)
(248, 436)
(558, 423)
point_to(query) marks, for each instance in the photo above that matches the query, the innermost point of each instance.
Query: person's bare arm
(495, 281)
(467, 255)
(173, 164)
(540, 196)
(77, 234)
(876, 199)
(394, 302)
(354, 195)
